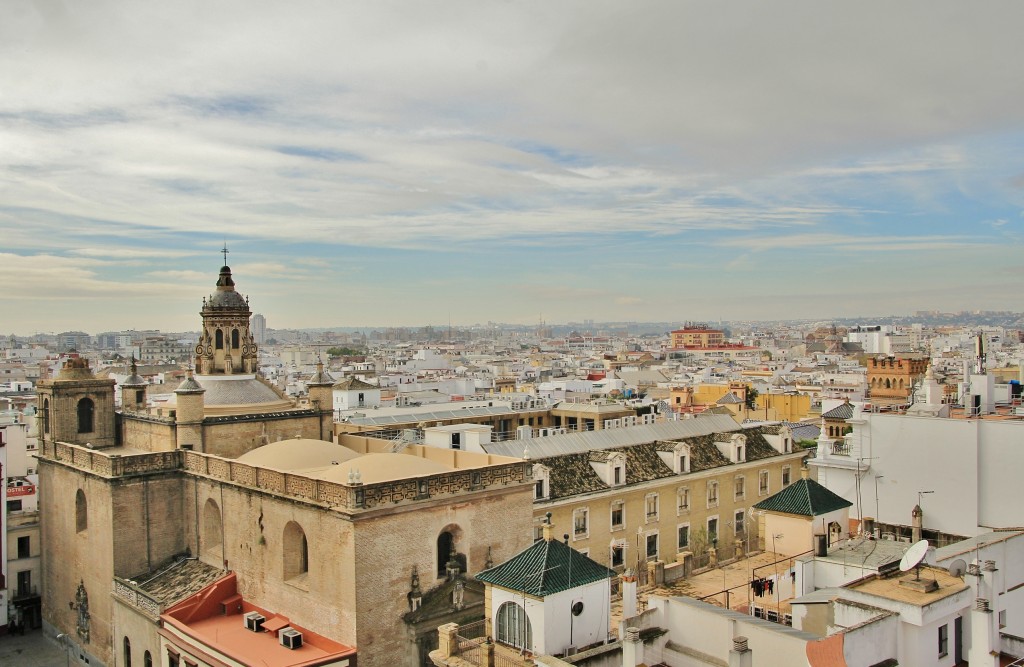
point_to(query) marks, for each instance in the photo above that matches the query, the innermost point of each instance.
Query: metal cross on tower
(224, 251)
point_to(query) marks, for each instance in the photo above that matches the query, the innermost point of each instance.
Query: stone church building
(145, 507)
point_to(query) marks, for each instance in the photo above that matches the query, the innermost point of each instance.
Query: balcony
(840, 448)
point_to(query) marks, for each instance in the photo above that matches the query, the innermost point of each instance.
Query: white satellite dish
(958, 567)
(915, 554)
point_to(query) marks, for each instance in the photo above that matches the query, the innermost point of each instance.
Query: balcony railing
(840, 448)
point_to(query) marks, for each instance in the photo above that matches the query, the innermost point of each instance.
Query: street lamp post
(65, 641)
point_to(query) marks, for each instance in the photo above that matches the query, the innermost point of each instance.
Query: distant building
(73, 340)
(697, 335)
(259, 329)
(892, 379)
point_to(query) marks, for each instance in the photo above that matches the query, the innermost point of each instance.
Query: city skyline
(396, 163)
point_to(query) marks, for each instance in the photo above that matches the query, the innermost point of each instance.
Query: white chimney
(632, 648)
(740, 655)
(628, 595)
(982, 652)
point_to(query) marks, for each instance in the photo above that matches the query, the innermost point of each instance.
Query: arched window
(296, 551)
(444, 552)
(234, 339)
(86, 408)
(513, 626)
(888, 385)
(81, 512)
(127, 653)
(147, 660)
(212, 535)
(219, 336)
(46, 415)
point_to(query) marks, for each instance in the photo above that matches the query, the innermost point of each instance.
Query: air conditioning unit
(571, 650)
(291, 638)
(254, 621)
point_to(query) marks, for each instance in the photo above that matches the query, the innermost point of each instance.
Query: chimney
(982, 651)
(916, 523)
(868, 528)
(547, 530)
(632, 648)
(629, 595)
(740, 655)
(821, 545)
(804, 472)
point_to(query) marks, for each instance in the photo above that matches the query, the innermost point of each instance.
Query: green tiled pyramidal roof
(544, 569)
(804, 497)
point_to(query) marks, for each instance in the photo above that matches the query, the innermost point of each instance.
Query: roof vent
(291, 638)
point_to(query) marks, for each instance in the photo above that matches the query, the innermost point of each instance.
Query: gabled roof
(729, 398)
(545, 569)
(804, 497)
(842, 411)
(352, 383)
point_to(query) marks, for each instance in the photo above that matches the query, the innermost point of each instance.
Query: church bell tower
(226, 345)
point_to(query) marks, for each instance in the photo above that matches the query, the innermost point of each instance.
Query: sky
(404, 163)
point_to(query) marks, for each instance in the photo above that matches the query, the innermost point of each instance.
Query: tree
(751, 400)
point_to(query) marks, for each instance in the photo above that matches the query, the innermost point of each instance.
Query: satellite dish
(958, 567)
(915, 554)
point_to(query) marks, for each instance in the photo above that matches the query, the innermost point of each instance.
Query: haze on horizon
(397, 162)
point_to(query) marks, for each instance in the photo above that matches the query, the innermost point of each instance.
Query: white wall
(709, 630)
(915, 454)
(591, 626)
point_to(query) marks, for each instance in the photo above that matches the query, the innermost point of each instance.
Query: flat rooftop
(890, 588)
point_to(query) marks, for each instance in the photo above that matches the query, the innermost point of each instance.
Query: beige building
(346, 540)
(655, 492)
(697, 335)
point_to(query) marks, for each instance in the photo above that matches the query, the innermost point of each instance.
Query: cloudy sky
(386, 163)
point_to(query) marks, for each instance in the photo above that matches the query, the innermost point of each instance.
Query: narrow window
(579, 522)
(219, 339)
(234, 339)
(127, 653)
(46, 415)
(81, 512)
(684, 537)
(296, 551)
(618, 508)
(86, 408)
(652, 545)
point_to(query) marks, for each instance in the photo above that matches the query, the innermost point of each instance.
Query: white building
(548, 599)
(354, 394)
(961, 471)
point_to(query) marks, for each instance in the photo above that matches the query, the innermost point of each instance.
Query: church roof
(321, 377)
(189, 386)
(226, 297)
(298, 454)
(804, 497)
(842, 411)
(546, 568)
(238, 390)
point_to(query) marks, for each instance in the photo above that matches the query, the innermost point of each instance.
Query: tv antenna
(914, 557)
